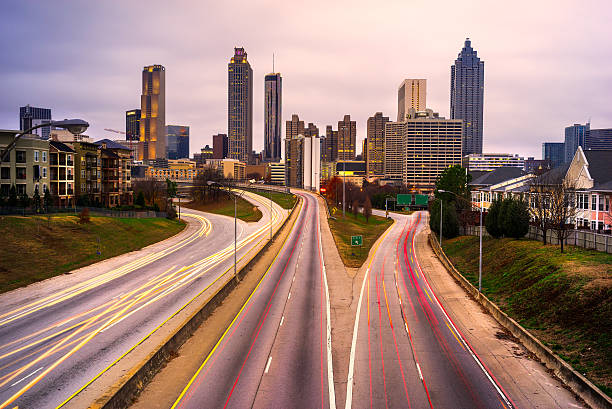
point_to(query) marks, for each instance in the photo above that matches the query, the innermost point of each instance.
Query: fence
(94, 211)
(580, 238)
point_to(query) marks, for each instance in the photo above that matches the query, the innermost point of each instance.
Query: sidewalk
(526, 381)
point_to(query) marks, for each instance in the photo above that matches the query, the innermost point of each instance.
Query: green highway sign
(356, 240)
(404, 200)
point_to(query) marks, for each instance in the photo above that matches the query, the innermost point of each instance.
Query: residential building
(153, 113)
(554, 152)
(64, 135)
(492, 161)
(240, 106)
(61, 173)
(347, 138)
(331, 144)
(178, 141)
(277, 173)
(131, 145)
(498, 184)
(177, 170)
(220, 146)
(27, 166)
(87, 172)
(32, 116)
(575, 136)
(116, 173)
(273, 117)
(412, 93)
(374, 146)
(600, 139)
(132, 125)
(467, 97)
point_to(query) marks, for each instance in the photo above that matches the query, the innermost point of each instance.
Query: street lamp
(75, 126)
(480, 233)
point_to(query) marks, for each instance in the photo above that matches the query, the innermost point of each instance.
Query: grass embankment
(34, 248)
(225, 206)
(343, 228)
(564, 299)
(284, 200)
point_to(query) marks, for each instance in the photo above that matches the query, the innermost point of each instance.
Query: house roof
(111, 144)
(553, 176)
(497, 176)
(475, 174)
(62, 147)
(600, 165)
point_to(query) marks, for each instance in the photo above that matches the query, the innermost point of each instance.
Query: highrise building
(220, 146)
(132, 125)
(240, 107)
(374, 148)
(575, 136)
(294, 127)
(364, 150)
(272, 117)
(153, 114)
(393, 151)
(178, 141)
(412, 93)
(347, 138)
(467, 97)
(294, 142)
(554, 152)
(600, 139)
(311, 162)
(331, 140)
(31, 116)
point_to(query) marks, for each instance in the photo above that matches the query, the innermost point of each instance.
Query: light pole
(75, 126)
(480, 234)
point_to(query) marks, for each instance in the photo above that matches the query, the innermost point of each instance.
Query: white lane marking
(289, 296)
(282, 320)
(349, 383)
(419, 369)
(268, 365)
(26, 377)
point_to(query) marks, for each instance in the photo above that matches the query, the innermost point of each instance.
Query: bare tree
(562, 209)
(367, 208)
(539, 193)
(153, 190)
(355, 208)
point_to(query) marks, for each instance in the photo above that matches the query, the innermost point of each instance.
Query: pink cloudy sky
(548, 64)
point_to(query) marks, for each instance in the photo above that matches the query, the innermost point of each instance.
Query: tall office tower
(272, 117)
(575, 136)
(374, 149)
(431, 144)
(467, 97)
(331, 139)
(178, 141)
(393, 151)
(220, 146)
(312, 130)
(294, 127)
(364, 151)
(411, 94)
(294, 141)
(240, 107)
(132, 125)
(31, 116)
(600, 139)
(554, 152)
(347, 138)
(153, 114)
(311, 162)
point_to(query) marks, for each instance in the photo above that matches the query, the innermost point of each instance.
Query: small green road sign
(356, 240)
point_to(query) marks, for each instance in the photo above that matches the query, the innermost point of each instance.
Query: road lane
(54, 339)
(407, 352)
(276, 351)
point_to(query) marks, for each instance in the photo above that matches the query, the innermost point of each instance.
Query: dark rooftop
(497, 176)
(62, 147)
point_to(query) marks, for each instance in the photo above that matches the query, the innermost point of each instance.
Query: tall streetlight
(480, 233)
(75, 126)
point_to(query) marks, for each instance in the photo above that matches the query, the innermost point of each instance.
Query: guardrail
(580, 385)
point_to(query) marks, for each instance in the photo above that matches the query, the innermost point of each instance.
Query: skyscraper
(294, 144)
(374, 148)
(294, 127)
(273, 117)
(347, 138)
(178, 141)
(132, 125)
(331, 142)
(554, 152)
(31, 116)
(240, 106)
(467, 97)
(575, 136)
(220, 146)
(600, 139)
(153, 114)
(412, 93)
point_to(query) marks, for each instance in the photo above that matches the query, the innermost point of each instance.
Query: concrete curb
(581, 386)
(121, 394)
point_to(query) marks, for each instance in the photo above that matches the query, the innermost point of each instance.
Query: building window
(5, 190)
(44, 156)
(36, 156)
(593, 202)
(601, 203)
(20, 156)
(44, 172)
(21, 173)
(21, 189)
(5, 173)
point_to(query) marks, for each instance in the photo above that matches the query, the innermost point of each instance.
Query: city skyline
(523, 76)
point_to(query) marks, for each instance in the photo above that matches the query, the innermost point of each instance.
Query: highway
(57, 335)
(277, 351)
(406, 351)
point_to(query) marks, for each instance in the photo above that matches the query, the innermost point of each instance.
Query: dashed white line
(282, 319)
(26, 377)
(268, 365)
(419, 369)
(289, 296)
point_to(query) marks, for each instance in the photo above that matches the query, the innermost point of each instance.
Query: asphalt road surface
(57, 335)
(277, 351)
(406, 351)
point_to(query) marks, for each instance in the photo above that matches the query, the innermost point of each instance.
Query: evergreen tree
(516, 219)
(36, 200)
(47, 200)
(504, 209)
(492, 220)
(24, 200)
(12, 200)
(140, 200)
